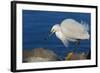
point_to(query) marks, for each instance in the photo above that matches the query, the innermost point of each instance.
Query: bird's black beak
(49, 35)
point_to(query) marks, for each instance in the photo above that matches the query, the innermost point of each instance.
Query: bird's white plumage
(73, 29)
(70, 30)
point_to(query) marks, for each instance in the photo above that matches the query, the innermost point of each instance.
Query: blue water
(37, 26)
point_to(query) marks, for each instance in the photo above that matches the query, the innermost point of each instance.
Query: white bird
(70, 30)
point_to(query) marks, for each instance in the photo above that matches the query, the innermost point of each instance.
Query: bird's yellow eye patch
(53, 30)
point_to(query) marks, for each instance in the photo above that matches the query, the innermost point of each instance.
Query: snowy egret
(70, 30)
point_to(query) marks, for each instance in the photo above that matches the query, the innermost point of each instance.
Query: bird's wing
(72, 28)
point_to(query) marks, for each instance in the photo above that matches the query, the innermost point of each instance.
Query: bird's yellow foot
(69, 56)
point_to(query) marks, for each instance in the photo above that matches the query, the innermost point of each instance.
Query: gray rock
(39, 55)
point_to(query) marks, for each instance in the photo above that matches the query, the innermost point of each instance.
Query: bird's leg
(77, 44)
(72, 52)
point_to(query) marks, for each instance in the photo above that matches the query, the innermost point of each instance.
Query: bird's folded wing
(72, 28)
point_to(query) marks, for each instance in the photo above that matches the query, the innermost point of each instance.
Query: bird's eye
(53, 30)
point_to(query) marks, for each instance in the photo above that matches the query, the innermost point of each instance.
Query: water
(37, 26)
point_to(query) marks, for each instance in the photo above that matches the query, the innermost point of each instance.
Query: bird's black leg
(77, 44)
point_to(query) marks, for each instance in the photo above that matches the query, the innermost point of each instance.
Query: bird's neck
(59, 35)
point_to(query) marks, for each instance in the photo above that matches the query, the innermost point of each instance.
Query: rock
(39, 55)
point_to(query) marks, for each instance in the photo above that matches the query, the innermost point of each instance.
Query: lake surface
(37, 26)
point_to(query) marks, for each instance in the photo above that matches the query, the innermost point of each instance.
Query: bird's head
(55, 28)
